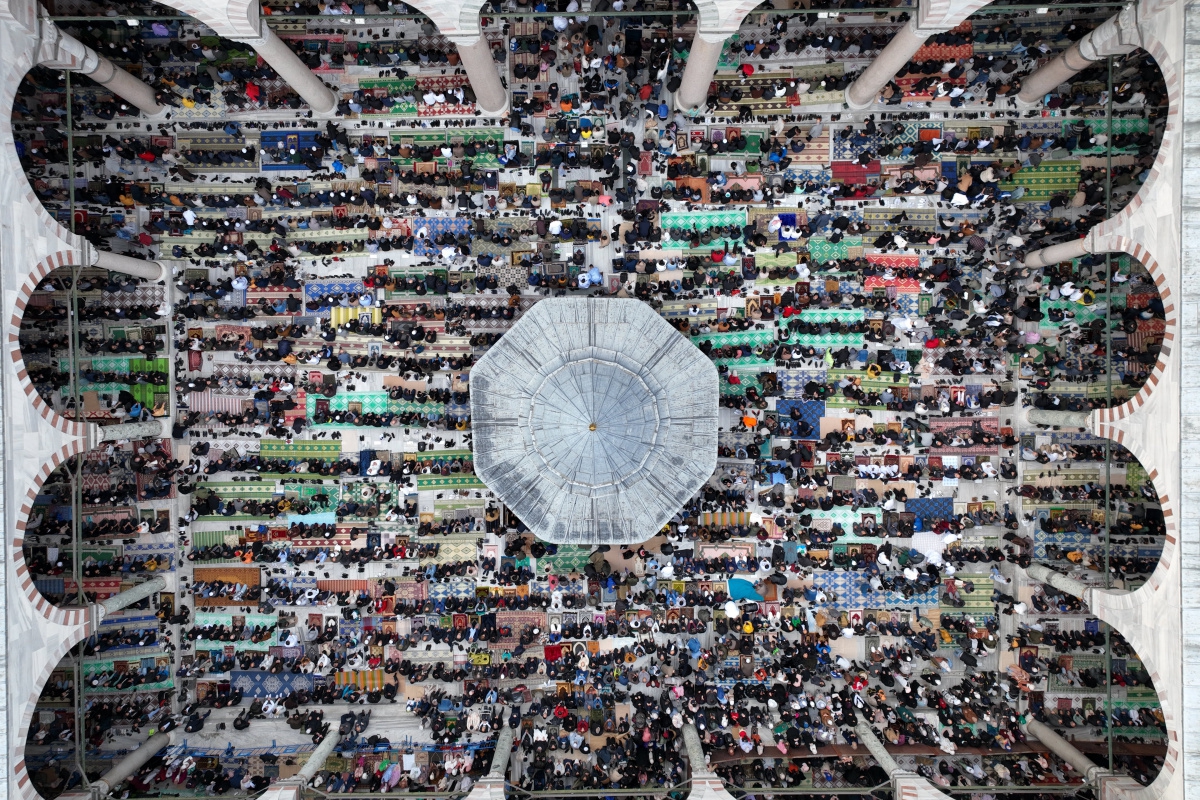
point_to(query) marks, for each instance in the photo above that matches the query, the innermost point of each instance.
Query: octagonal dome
(594, 420)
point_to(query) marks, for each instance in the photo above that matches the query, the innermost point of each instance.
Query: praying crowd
(334, 566)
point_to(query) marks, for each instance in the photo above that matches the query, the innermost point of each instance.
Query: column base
(1027, 105)
(488, 788)
(707, 786)
(690, 111)
(859, 106)
(500, 112)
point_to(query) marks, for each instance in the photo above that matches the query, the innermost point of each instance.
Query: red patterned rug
(445, 109)
(943, 52)
(853, 172)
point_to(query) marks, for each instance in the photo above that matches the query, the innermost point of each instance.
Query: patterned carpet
(792, 381)
(279, 448)
(811, 412)
(1046, 180)
(827, 340)
(931, 509)
(853, 593)
(833, 315)
(753, 338)
(821, 250)
(256, 683)
(569, 558)
(449, 482)
(703, 220)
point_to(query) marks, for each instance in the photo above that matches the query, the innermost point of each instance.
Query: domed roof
(594, 420)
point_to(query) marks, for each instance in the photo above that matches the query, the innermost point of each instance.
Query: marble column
(287, 789)
(138, 268)
(317, 760)
(475, 54)
(150, 429)
(1116, 36)
(60, 50)
(699, 71)
(706, 785)
(492, 785)
(1060, 419)
(273, 50)
(877, 749)
(1055, 253)
(1043, 574)
(694, 749)
(904, 44)
(131, 596)
(1056, 744)
(130, 764)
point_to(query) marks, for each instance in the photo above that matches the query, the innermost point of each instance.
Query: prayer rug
(931, 509)
(460, 481)
(724, 518)
(440, 591)
(851, 172)
(409, 589)
(821, 250)
(853, 592)
(793, 381)
(846, 516)
(815, 153)
(944, 52)
(833, 315)
(703, 220)
(569, 558)
(452, 552)
(1045, 180)
(768, 259)
(746, 379)
(811, 412)
(517, 620)
(367, 679)
(827, 340)
(163, 552)
(100, 588)
(848, 150)
(300, 448)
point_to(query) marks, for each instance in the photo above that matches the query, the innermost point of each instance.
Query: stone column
(288, 789)
(1059, 419)
(130, 764)
(699, 71)
(98, 611)
(1116, 36)
(476, 56)
(150, 429)
(695, 750)
(1073, 587)
(877, 749)
(705, 783)
(911, 786)
(1064, 750)
(319, 97)
(907, 41)
(1065, 251)
(60, 50)
(317, 759)
(131, 596)
(138, 268)
(492, 785)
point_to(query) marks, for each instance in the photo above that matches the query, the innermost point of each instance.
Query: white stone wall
(31, 243)
(1161, 426)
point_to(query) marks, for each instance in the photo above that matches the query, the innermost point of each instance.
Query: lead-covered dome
(594, 420)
